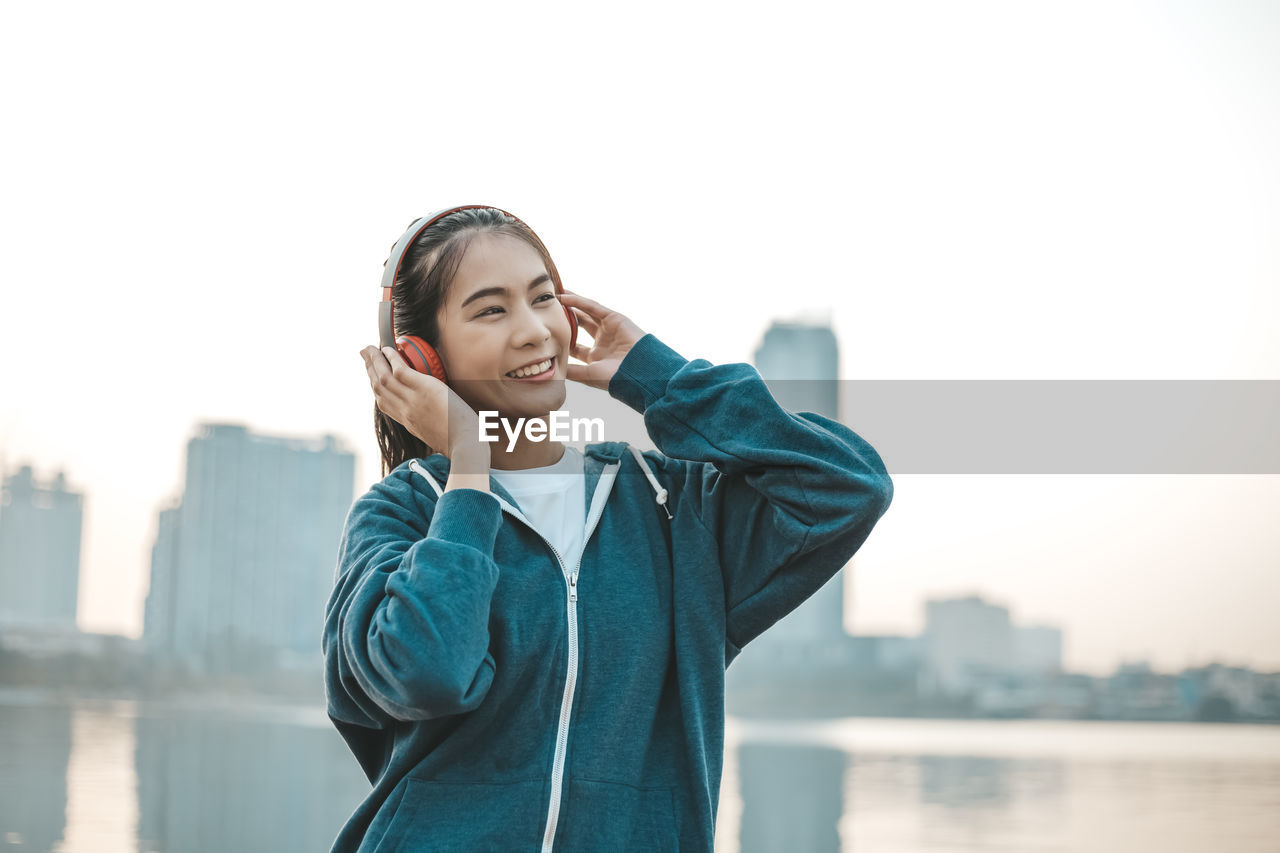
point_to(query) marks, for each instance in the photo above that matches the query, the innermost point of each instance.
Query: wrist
(470, 460)
(461, 480)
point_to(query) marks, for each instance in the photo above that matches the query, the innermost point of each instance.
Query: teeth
(541, 367)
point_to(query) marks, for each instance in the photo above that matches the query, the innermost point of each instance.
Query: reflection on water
(791, 797)
(35, 748)
(216, 783)
(964, 803)
(120, 778)
(102, 800)
(130, 778)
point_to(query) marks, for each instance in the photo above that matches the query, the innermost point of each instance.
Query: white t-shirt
(553, 498)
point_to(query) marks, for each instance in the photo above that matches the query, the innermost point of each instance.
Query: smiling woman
(525, 646)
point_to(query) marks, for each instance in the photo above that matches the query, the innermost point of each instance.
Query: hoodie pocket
(464, 817)
(600, 816)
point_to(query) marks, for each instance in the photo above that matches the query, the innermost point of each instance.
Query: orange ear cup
(573, 328)
(422, 357)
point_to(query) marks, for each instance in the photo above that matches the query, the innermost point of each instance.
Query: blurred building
(1137, 692)
(40, 526)
(800, 363)
(1037, 649)
(159, 613)
(1219, 692)
(972, 647)
(965, 640)
(243, 563)
(885, 653)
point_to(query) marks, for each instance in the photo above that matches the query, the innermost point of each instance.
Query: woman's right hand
(428, 408)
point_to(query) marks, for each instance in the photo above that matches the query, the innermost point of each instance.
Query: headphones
(419, 354)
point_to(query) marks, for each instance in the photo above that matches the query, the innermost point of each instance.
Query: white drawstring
(653, 481)
(414, 466)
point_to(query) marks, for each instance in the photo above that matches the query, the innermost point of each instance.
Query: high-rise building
(158, 617)
(800, 362)
(40, 526)
(243, 565)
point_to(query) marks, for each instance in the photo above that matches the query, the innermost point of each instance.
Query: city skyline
(789, 629)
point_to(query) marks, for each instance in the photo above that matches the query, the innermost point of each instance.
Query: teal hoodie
(500, 700)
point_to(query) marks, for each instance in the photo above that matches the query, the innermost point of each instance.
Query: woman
(525, 647)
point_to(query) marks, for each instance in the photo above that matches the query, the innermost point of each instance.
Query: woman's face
(501, 314)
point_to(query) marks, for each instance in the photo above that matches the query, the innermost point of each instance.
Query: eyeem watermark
(560, 428)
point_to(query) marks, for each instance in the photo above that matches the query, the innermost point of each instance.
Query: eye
(485, 312)
(547, 295)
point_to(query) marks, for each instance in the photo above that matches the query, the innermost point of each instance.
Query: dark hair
(426, 274)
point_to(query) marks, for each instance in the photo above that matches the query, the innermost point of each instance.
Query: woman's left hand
(613, 335)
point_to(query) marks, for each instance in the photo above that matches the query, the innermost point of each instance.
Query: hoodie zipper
(571, 678)
(598, 500)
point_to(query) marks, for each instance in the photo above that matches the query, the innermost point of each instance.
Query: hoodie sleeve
(787, 497)
(406, 633)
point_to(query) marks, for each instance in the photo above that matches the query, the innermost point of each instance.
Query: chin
(539, 409)
(536, 404)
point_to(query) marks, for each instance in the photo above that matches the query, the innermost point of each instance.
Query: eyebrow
(501, 291)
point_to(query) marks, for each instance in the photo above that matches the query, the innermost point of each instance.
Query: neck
(523, 453)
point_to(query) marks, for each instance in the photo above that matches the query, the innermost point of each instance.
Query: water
(119, 777)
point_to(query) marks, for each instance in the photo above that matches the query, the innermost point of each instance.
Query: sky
(197, 201)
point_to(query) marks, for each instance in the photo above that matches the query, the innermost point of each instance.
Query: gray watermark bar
(1012, 426)
(1059, 426)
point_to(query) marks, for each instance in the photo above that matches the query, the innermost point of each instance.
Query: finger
(582, 353)
(401, 372)
(371, 362)
(586, 321)
(582, 373)
(403, 381)
(595, 309)
(367, 355)
(382, 372)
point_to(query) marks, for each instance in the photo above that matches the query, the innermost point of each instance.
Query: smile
(535, 372)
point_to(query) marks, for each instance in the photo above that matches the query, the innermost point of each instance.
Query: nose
(531, 327)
